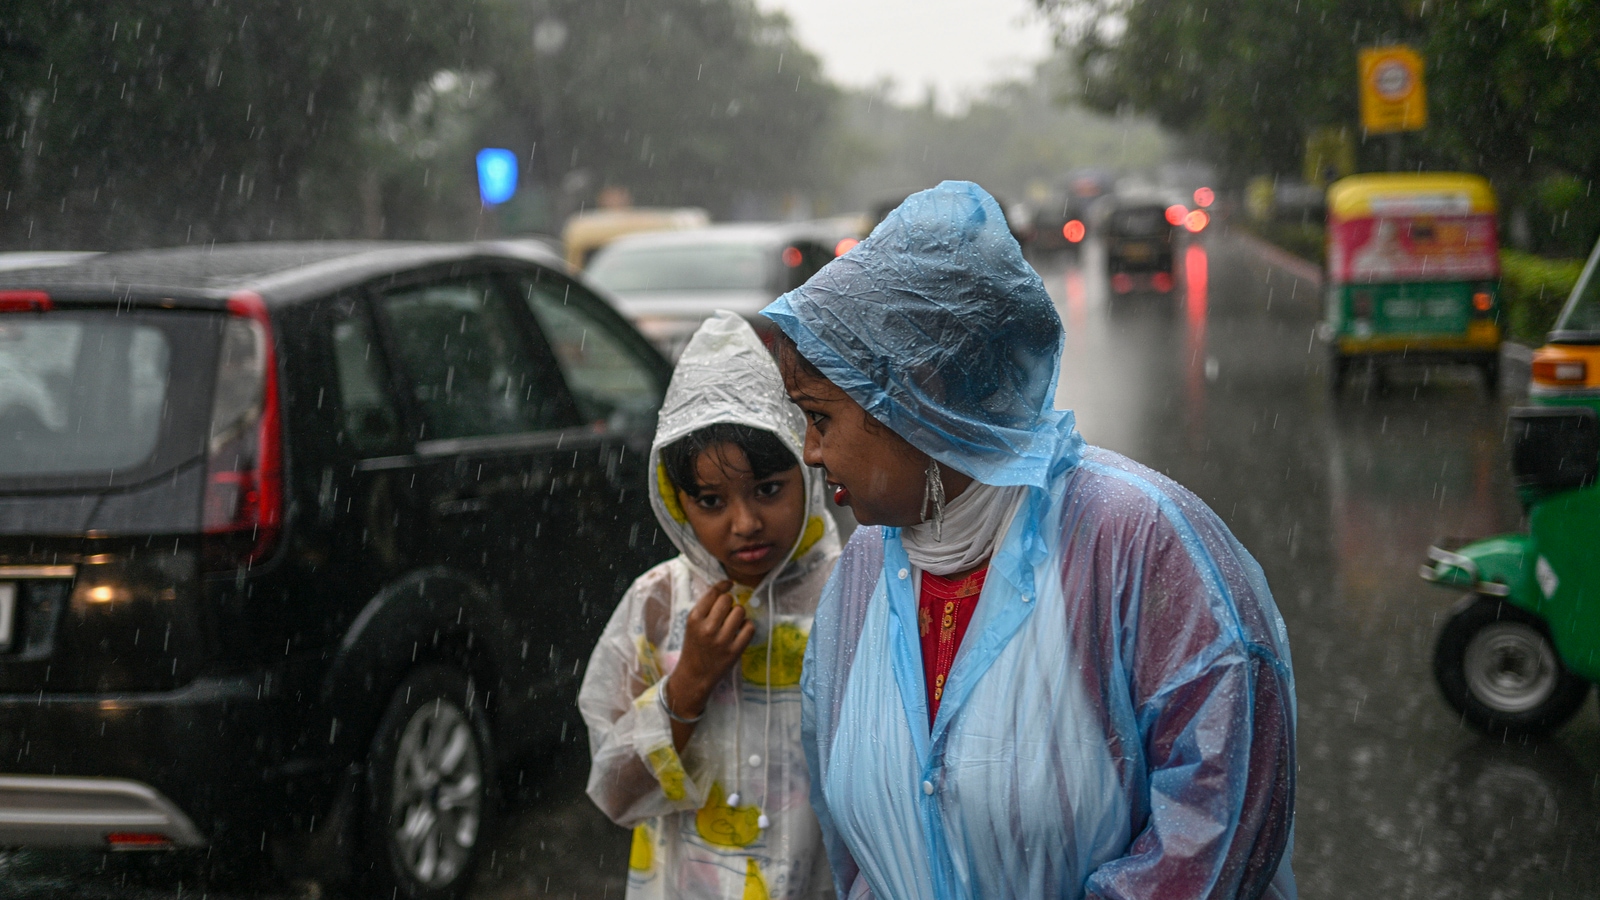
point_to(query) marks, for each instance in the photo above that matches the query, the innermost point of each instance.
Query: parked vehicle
(669, 282)
(300, 537)
(1522, 647)
(1413, 273)
(586, 232)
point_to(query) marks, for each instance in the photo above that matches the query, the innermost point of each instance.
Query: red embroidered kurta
(944, 610)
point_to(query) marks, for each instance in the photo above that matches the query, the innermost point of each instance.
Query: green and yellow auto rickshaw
(1413, 273)
(1522, 647)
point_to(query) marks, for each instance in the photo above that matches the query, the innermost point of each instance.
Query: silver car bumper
(45, 811)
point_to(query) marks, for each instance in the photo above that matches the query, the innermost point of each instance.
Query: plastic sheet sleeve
(839, 615)
(634, 774)
(1209, 684)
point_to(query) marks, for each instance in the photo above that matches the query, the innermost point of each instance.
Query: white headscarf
(973, 523)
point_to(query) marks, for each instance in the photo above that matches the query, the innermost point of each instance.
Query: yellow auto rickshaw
(1413, 273)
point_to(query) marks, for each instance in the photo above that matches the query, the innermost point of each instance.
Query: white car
(668, 282)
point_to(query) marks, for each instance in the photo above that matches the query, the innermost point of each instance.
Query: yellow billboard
(1393, 96)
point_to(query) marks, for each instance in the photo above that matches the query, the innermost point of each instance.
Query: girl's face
(749, 525)
(869, 468)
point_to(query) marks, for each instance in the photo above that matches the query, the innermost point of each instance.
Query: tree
(144, 122)
(138, 122)
(704, 102)
(1514, 87)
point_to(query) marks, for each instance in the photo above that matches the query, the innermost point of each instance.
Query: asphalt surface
(1220, 385)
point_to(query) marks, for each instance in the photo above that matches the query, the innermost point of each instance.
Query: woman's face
(869, 468)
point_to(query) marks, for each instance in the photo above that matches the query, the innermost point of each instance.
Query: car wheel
(1497, 666)
(430, 777)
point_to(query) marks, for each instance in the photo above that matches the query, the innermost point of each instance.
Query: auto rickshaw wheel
(1491, 375)
(1498, 667)
(1338, 368)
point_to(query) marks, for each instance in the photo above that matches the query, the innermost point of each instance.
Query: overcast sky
(959, 46)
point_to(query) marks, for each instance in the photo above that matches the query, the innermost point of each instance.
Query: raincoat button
(755, 760)
(904, 573)
(927, 787)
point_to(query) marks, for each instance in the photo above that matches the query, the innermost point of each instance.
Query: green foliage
(680, 101)
(1514, 85)
(138, 122)
(1015, 137)
(132, 122)
(1533, 290)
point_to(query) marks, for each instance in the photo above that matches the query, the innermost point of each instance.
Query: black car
(1140, 237)
(305, 542)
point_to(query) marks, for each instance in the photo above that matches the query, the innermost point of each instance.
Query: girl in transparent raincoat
(692, 695)
(1069, 680)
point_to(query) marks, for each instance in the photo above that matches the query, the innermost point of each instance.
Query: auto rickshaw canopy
(1411, 193)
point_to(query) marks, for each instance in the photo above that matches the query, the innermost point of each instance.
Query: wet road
(1221, 387)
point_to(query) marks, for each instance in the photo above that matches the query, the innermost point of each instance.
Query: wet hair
(796, 368)
(767, 455)
(790, 361)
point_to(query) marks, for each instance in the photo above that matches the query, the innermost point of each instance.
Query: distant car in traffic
(585, 233)
(306, 543)
(1140, 232)
(669, 282)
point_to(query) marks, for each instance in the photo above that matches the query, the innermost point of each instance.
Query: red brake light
(1175, 214)
(1122, 282)
(1161, 281)
(792, 257)
(137, 840)
(25, 301)
(844, 246)
(1196, 221)
(1073, 231)
(1204, 196)
(244, 467)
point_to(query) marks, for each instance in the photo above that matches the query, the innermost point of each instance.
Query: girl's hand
(716, 633)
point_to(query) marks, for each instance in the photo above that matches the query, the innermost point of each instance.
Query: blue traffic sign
(497, 175)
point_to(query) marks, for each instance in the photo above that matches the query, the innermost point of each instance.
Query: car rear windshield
(1139, 222)
(92, 393)
(707, 267)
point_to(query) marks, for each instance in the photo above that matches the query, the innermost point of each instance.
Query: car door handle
(462, 506)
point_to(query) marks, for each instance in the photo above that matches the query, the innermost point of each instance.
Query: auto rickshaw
(1413, 273)
(1522, 647)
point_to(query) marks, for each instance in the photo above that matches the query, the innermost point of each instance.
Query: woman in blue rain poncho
(1049, 671)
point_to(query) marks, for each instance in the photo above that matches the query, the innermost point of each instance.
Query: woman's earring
(933, 494)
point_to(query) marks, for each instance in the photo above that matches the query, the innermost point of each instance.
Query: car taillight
(1204, 196)
(1565, 372)
(1161, 281)
(792, 257)
(1196, 221)
(1122, 282)
(25, 301)
(243, 508)
(1073, 231)
(1176, 213)
(844, 246)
